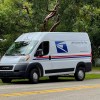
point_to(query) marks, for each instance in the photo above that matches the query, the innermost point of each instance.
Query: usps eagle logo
(61, 47)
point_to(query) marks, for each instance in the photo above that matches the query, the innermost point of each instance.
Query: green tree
(13, 18)
(17, 17)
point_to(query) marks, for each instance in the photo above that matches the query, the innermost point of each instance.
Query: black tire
(80, 74)
(6, 80)
(34, 76)
(53, 78)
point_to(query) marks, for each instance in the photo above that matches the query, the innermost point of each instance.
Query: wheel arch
(33, 66)
(81, 64)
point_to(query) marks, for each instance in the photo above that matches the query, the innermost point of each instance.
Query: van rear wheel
(34, 76)
(80, 74)
(6, 80)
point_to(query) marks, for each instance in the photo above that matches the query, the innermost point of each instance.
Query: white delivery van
(37, 54)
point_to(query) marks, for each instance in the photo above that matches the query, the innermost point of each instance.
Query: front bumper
(18, 71)
(11, 74)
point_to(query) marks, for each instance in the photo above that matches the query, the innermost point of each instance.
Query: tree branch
(51, 15)
(54, 27)
(26, 8)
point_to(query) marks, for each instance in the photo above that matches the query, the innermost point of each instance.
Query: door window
(43, 49)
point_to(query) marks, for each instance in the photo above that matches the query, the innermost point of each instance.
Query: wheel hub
(35, 76)
(81, 74)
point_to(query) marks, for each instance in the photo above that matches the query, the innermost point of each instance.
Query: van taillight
(91, 55)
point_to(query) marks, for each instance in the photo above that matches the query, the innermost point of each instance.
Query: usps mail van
(37, 54)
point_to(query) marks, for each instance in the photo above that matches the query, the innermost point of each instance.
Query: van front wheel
(80, 74)
(34, 76)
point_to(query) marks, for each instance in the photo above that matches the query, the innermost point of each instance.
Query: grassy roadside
(45, 79)
(92, 76)
(95, 68)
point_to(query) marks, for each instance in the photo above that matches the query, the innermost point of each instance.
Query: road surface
(62, 90)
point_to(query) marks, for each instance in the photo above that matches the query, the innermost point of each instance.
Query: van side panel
(65, 55)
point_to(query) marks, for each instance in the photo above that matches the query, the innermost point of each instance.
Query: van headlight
(24, 59)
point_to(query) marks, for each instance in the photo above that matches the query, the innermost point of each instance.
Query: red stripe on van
(67, 56)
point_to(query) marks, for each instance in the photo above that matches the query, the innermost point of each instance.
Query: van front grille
(6, 67)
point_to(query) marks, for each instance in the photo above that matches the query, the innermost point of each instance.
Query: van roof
(53, 36)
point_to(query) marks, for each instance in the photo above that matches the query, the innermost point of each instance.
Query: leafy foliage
(19, 16)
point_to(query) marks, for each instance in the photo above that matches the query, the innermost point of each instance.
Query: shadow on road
(42, 81)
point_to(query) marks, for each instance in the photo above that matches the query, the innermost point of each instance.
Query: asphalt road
(62, 90)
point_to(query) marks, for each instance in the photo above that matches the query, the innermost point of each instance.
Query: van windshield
(21, 48)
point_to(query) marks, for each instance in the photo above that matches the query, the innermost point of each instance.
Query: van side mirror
(39, 52)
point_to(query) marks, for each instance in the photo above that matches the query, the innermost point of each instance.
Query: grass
(96, 68)
(92, 76)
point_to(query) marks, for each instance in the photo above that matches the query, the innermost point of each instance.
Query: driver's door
(42, 56)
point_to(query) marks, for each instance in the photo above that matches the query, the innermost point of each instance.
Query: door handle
(49, 57)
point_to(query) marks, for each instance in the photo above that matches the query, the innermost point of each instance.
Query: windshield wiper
(22, 54)
(14, 54)
(9, 55)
